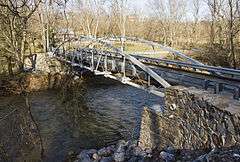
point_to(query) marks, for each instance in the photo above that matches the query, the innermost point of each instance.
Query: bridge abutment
(192, 119)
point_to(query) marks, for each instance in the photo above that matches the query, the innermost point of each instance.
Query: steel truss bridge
(101, 57)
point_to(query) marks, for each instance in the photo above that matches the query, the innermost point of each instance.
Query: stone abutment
(192, 119)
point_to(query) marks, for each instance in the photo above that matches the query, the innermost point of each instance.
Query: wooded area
(207, 28)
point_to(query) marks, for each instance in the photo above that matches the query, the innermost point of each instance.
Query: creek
(109, 111)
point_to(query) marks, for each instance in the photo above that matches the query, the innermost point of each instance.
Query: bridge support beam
(98, 63)
(149, 80)
(134, 71)
(236, 93)
(218, 88)
(105, 63)
(92, 61)
(124, 66)
(205, 84)
(128, 82)
(113, 65)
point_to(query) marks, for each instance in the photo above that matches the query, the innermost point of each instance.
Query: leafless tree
(233, 19)
(18, 14)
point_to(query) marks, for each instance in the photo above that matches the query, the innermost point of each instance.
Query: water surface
(109, 111)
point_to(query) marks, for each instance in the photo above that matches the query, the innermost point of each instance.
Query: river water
(109, 111)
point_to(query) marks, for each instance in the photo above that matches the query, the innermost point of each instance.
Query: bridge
(101, 57)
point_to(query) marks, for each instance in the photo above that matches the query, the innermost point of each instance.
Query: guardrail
(217, 78)
(206, 69)
(212, 70)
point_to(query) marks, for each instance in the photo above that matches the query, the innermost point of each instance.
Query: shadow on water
(110, 111)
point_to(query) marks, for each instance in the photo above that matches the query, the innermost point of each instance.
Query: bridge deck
(126, 70)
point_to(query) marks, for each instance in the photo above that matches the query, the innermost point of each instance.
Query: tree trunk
(212, 33)
(20, 66)
(10, 68)
(233, 53)
(231, 35)
(22, 52)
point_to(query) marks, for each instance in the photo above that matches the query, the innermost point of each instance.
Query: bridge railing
(91, 59)
(211, 70)
(157, 45)
(98, 60)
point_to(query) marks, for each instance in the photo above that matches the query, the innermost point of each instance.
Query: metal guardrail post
(236, 93)
(149, 80)
(218, 88)
(134, 70)
(105, 64)
(124, 66)
(113, 65)
(92, 61)
(205, 84)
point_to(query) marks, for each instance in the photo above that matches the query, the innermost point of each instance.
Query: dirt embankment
(30, 83)
(49, 74)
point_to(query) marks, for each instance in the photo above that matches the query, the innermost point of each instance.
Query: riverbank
(33, 82)
(131, 152)
(49, 74)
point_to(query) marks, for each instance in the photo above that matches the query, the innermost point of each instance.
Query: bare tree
(90, 14)
(233, 27)
(196, 12)
(215, 7)
(18, 14)
(169, 13)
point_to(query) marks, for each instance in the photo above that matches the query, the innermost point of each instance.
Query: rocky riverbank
(122, 151)
(131, 152)
(31, 82)
(49, 74)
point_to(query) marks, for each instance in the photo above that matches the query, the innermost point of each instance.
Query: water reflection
(110, 111)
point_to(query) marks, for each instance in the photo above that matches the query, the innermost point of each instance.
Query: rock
(170, 150)
(107, 159)
(76, 77)
(148, 151)
(143, 154)
(111, 148)
(128, 153)
(171, 116)
(137, 151)
(167, 156)
(149, 156)
(133, 159)
(122, 142)
(119, 156)
(141, 159)
(70, 153)
(85, 160)
(132, 143)
(82, 154)
(84, 157)
(121, 145)
(105, 152)
(91, 152)
(236, 155)
(96, 156)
